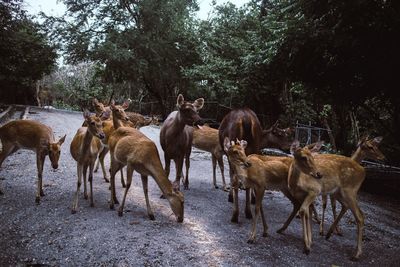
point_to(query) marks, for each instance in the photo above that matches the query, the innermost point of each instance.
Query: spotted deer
(35, 136)
(326, 174)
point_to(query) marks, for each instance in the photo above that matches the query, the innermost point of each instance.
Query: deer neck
(116, 122)
(177, 124)
(294, 175)
(86, 144)
(358, 156)
(160, 177)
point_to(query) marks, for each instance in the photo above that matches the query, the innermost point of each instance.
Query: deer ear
(295, 145)
(227, 144)
(112, 104)
(317, 147)
(86, 114)
(125, 105)
(180, 100)
(95, 101)
(199, 103)
(62, 139)
(377, 140)
(243, 144)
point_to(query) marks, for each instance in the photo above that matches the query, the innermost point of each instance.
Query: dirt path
(50, 234)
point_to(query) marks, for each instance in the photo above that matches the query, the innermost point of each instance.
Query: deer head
(118, 111)
(176, 200)
(369, 148)
(236, 152)
(94, 124)
(276, 137)
(189, 111)
(54, 150)
(304, 160)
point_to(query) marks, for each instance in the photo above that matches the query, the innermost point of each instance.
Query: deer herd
(301, 177)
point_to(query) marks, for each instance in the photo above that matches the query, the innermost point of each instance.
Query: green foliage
(25, 54)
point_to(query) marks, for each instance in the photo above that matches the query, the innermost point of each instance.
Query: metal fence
(308, 134)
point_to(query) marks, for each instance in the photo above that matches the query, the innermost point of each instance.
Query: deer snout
(199, 122)
(247, 164)
(179, 219)
(102, 135)
(55, 166)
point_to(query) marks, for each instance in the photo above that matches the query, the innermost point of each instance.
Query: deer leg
(101, 158)
(235, 190)
(214, 167)
(265, 226)
(351, 201)
(333, 226)
(257, 211)
(305, 217)
(146, 195)
(85, 194)
(187, 165)
(178, 168)
(78, 186)
(91, 167)
(221, 167)
(231, 174)
(40, 156)
(129, 174)
(333, 206)
(314, 213)
(122, 178)
(115, 167)
(296, 207)
(321, 225)
(248, 200)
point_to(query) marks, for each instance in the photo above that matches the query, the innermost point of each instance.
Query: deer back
(242, 124)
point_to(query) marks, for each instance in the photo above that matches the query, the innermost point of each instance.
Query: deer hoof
(41, 193)
(37, 200)
(216, 187)
(230, 198)
(1, 192)
(249, 215)
(355, 258)
(162, 196)
(251, 241)
(111, 206)
(92, 205)
(151, 217)
(321, 233)
(328, 235)
(73, 211)
(85, 196)
(265, 234)
(306, 251)
(120, 212)
(235, 219)
(106, 180)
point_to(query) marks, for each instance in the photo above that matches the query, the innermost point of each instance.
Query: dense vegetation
(331, 63)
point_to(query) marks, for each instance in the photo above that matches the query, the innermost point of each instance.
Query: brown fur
(176, 137)
(341, 176)
(35, 136)
(85, 147)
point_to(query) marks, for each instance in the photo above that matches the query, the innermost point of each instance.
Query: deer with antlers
(326, 174)
(35, 136)
(85, 147)
(176, 137)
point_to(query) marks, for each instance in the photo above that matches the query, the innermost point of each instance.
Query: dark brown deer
(276, 137)
(176, 137)
(241, 124)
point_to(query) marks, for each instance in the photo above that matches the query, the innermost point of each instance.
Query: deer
(35, 136)
(139, 121)
(275, 137)
(259, 175)
(176, 137)
(261, 172)
(117, 119)
(206, 138)
(131, 148)
(241, 124)
(367, 148)
(85, 147)
(311, 176)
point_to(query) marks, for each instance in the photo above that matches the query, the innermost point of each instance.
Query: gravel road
(48, 234)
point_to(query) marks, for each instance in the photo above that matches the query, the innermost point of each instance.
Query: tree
(25, 54)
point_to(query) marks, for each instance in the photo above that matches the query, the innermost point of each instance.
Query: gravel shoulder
(49, 234)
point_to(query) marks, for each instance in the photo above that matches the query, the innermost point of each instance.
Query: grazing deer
(366, 149)
(326, 174)
(85, 149)
(176, 137)
(35, 136)
(129, 147)
(241, 124)
(139, 121)
(206, 138)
